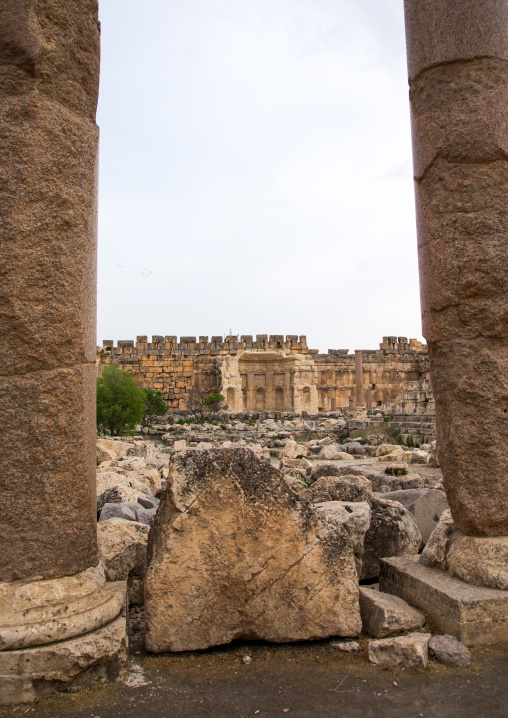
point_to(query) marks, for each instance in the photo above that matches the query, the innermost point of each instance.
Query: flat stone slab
(473, 614)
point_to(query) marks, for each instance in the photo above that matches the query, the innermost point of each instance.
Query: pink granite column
(360, 401)
(49, 77)
(458, 76)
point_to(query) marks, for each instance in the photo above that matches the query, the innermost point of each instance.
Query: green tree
(155, 405)
(120, 402)
(213, 402)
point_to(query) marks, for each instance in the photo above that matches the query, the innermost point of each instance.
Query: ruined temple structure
(273, 373)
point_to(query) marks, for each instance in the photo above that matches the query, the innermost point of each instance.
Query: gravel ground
(306, 679)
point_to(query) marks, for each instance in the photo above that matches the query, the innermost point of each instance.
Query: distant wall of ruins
(274, 373)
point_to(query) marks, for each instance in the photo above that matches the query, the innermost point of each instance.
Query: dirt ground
(306, 679)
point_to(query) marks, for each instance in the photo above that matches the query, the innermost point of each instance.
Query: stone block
(406, 651)
(474, 614)
(234, 553)
(383, 614)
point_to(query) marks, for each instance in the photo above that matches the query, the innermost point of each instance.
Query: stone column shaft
(458, 76)
(49, 75)
(359, 378)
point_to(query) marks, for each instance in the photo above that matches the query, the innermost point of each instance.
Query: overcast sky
(255, 171)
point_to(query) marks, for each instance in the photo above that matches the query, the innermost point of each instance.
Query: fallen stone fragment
(447, 649)
(293, 450)
(345, 646)
(122, 550)
(434, 553)
(341, 488)
(129, 511)
(406, 651)
(383, 614)
(392, 532)
(333, 451)
(234, 553)
(398, 454)
(411, 481)
(426, 505)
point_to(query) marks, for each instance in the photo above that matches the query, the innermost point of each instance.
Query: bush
(120, 402)
(155, 405)
(213, 401)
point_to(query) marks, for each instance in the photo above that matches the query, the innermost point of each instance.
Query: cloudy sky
(255, 171)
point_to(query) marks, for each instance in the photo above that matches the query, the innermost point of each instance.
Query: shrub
(155, 405)
(120, 402)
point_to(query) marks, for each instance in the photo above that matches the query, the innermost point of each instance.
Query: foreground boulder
(235, 553)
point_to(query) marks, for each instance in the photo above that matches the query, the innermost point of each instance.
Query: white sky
(255, 171)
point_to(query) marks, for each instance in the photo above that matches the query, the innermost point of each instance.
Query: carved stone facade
(274, 373)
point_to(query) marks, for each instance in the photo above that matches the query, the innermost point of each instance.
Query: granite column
(51, 589)
(458, 76)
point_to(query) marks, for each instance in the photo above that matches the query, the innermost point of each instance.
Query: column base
(60, 634)
(474, 614)
(66, 666)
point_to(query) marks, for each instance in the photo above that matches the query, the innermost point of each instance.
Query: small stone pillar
(457, 65)
(351, 403)
(368, 399)
(360, 400)
(333, 404)
(49, 79)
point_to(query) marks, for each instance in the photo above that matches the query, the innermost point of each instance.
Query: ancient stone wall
(270, 373)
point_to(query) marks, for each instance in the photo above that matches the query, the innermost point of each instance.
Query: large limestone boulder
(235, 553)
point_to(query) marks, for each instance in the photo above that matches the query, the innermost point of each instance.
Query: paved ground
(299, 680)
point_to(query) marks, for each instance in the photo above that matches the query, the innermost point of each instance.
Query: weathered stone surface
(398, 454)
(65, 666)
(344, 488)
(426, 505)
(122, 550)
(130, 511)
(117, 495)
(447, 649)
(411, 481)
(436, 549)
(333, 451)
(352, 518)
(383, 614)
(459, 94)
(392, 532)
(345, 646)
(49, 75)
(33, 613)
(377, 479)
(473, 614)
(292, 450)
(407, 651)
(48, 456)
(111, 479)
(479, 560)
(235, 553)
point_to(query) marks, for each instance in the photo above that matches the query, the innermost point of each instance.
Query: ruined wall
(272, 373)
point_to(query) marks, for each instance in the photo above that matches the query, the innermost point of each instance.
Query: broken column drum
(458, 75)
(49, 79)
